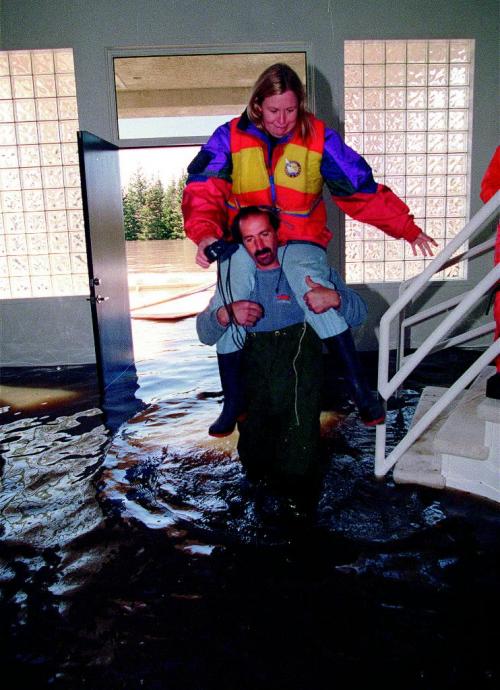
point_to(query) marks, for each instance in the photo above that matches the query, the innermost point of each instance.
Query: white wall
(46, 332)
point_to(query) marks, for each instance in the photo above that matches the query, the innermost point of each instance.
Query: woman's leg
(305, 259)
(236, 281)
(302, 259)
(344, 351)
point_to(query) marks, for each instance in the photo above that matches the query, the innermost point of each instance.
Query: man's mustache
(261, 252)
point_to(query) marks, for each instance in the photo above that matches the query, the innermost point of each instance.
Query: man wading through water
(282, 358)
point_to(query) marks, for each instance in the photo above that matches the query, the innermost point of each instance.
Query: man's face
(260, 240)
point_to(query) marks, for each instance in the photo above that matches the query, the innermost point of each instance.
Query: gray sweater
(280, 309)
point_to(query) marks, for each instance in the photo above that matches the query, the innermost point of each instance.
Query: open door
(107, 262)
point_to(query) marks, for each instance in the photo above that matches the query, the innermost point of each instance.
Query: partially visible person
(282, 357)
(279, 155)
(490, 185)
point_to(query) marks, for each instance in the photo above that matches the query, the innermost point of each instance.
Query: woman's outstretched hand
(423, 243)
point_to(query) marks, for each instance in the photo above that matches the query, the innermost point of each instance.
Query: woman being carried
(279, 155)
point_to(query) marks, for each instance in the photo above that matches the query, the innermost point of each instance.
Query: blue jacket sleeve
(350, 181)
(343, 169)
(352, 307)
(213, 159)
(208, 328)
(207, 188)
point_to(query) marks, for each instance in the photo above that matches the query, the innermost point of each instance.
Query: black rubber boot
(342, 347)
(232, 386)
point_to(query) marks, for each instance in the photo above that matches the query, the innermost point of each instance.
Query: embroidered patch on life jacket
(292, 168)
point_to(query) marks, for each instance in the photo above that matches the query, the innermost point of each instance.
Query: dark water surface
(137, 555)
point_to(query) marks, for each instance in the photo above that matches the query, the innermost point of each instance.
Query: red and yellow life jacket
(291, 181)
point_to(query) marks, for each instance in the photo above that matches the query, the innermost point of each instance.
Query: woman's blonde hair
(274, 81)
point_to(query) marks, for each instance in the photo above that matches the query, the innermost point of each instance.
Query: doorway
(165, 284)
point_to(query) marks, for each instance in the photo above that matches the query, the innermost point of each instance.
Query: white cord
(297, 374)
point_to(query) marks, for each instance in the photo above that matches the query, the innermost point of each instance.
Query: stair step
(446, 455)
(462, 433)
(489, 410)
(421, 464)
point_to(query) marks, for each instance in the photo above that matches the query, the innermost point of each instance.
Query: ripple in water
(163, 470)
(143, 559)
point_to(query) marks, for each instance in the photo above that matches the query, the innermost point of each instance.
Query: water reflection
(162, 469)
(48, 501)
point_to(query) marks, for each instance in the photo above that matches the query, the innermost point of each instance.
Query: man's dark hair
(247, 211)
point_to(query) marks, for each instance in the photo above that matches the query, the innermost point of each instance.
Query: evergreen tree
(133, 201)
(172, 213)
(151, 212)
(150, 216)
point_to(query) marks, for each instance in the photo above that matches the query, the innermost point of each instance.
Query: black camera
(220, 249)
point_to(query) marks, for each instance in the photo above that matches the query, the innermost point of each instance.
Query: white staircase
(454, 438)
(461, 448)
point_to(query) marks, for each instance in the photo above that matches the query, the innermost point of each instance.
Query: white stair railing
(436, 340)
(406, 323)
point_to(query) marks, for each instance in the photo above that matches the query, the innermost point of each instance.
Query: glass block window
(408, 111)
(42, 241)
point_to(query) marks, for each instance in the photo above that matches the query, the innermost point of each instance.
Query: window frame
(209, 49)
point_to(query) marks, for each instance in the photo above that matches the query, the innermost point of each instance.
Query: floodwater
(153, 256)
(135, 554)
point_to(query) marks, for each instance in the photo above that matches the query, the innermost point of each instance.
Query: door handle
(97, 299)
